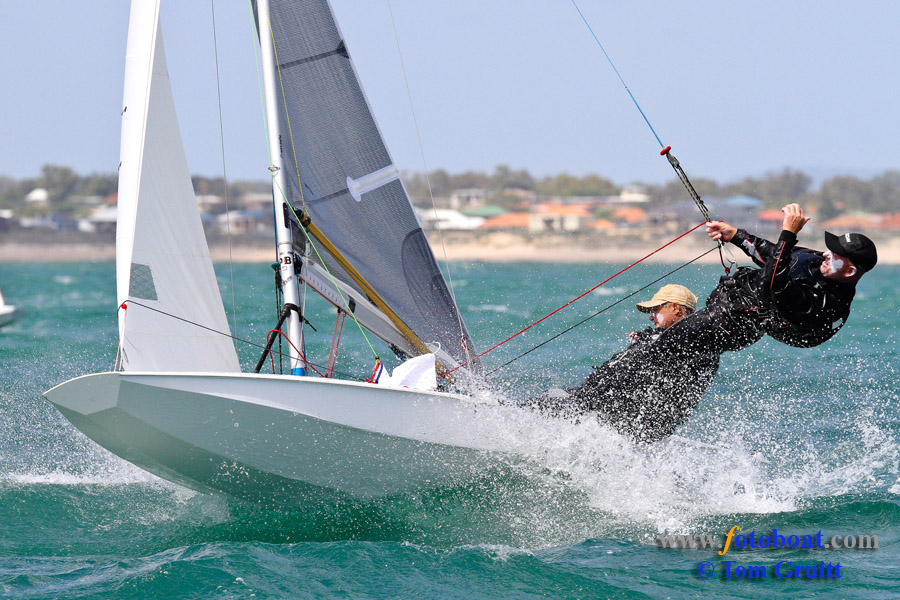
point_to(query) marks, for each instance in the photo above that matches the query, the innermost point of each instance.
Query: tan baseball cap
(672, 292)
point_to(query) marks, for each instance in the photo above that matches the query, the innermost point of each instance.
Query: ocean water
(801, 441)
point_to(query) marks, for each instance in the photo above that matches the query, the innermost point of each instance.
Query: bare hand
(793, 218)
(720, 230)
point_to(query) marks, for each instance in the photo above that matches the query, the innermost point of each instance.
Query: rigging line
(255, 41)
(120, 350)
(212, 5)
(300, 186)
(254, 36)
(412, 110)
(596, 39)
(130, 302)
(301, 354)
(301, 284)
(324, 264)
(570, 302)
(275, 181)
(666, 150)
(606, 308)
(279, 306)
(287, 114)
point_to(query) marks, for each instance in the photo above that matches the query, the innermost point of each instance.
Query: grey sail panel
(331, 144)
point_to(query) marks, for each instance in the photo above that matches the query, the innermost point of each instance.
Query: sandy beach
(489, 247)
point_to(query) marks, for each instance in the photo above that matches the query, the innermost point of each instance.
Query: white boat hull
(7, 314)
(279, 438)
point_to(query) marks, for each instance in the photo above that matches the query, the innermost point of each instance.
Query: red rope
(335, 343)
(308, 364)
(495, 346)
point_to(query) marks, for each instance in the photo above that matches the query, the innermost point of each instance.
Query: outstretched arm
(720, 230)
(762, 251)
(756, 248)
(793, 220)
(777, 269)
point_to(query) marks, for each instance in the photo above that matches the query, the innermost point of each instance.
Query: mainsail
(342, 178)
(163, 268)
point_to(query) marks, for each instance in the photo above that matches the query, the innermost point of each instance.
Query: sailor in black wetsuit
(642, 392)
(800, 297)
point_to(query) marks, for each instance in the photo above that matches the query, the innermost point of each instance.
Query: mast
(283, 237)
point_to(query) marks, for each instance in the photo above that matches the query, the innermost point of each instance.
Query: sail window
(372, 181)
(142, 283)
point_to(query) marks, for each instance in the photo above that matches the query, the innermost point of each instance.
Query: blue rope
(665, 149)
(596, 39)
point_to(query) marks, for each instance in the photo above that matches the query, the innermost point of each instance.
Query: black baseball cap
(855, 246)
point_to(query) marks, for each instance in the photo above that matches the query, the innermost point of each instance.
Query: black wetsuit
(653, 386)
(645, 391)
(788, 298)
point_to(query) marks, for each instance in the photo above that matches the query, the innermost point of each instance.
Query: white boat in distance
(7, 312)
(178, 405)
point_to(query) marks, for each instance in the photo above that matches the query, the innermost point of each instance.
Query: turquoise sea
(800, 441)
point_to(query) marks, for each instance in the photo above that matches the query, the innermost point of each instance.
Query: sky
(736, 88)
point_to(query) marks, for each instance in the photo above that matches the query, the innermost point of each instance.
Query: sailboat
(7, 312)
(177, 403)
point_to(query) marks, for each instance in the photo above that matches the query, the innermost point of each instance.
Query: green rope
(284, 196)
(312, 245)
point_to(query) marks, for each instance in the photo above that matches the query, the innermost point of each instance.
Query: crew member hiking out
(643, 393)
(798, 296)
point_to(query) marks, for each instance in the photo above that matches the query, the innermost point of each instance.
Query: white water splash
(610, 291)
(674, 484)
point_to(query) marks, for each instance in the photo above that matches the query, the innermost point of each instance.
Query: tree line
(505, 186)
(836, 195)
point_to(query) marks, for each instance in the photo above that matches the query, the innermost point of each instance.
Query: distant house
(6, 218)
(559, 217)
(485, 210)
(54, 222)
(101, 220)
(853, 222)
(743, 201)
(629, 215)
(588, 202)
(513, 220)
(632, 194)
(239, 222)
(83, 200)
(447, 220)
(602, 225)
(460, 199)
(773, 215)
(737, 210)
(526, 195)
(891, 221)
(208, 203)
(38, 196)
(257, 201)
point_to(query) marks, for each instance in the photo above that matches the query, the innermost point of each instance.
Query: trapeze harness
(788, 299)
(794, 302)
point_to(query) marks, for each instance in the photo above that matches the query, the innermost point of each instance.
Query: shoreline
(494, 248)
